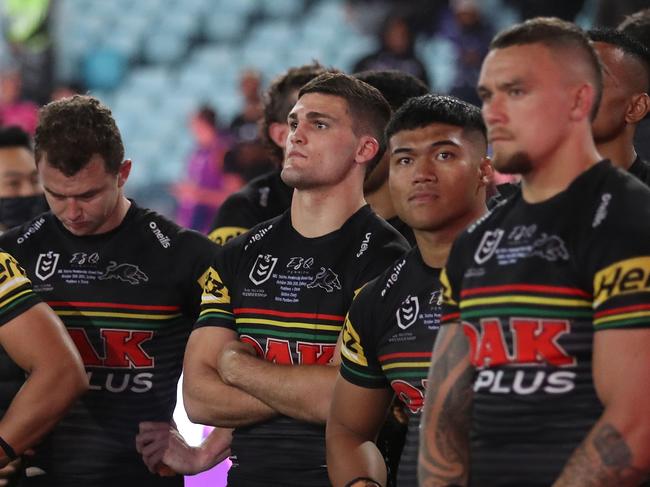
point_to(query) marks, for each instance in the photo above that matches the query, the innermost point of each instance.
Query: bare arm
(208, 400)
(617, 449)
(39, 344)
(356, 416)
(161, 444)
(303, 392)
(444, 433)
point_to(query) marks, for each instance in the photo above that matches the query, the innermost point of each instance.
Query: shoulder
(27, 233)
(166, 234)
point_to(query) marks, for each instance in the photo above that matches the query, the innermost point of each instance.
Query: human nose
(424, 171)
(494, 110)
(73, 210)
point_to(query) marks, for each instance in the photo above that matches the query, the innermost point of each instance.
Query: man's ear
(583, 100)
(278, 133)
(123, 172)
(638, 108)
(367, 149)
(486, 171)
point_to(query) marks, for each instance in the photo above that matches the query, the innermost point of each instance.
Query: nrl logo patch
(262, 269)
(489, 244)
(408, 312)
(46, 265)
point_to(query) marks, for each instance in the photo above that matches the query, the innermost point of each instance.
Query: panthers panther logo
(327, 279)
(550, 248)
(124, 272)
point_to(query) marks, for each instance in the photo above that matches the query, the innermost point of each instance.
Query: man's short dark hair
(637, 26)
(73, 130)
(555, 34)
(278, 101)
(14, 136)
(428, 109)
(369, 110)
(396, 86)
(629, 46)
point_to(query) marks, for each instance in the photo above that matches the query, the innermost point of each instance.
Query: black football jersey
(129, 299)
(16, 297)
(263, 198)
(388, 338)
(287, 295)
(531, 284)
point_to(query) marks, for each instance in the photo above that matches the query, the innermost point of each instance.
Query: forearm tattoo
(444, 435)
(603, 459)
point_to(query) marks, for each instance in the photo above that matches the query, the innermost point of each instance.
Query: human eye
(515, 92)
(293, 124)
(403, 161)
(445, 156)
(319, 124)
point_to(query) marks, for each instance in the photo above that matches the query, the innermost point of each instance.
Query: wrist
(363, 482)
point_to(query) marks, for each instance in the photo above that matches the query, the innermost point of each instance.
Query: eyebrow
(438, 143)
(312, 116)
(88, 193)
(506, 85)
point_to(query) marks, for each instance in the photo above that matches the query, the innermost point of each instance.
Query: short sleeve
(359, 364)
(16, 293)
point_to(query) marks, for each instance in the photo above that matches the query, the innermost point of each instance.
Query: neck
(317, 212)
(435, 245)
(553, 174)
(381, 202)
(619, 150)
(121, 209)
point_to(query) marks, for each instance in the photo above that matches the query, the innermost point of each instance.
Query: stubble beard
(517, 163)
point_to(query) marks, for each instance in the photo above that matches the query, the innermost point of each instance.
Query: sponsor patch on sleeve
(624, 277)
(447, 293)
(351, 348)
(223, 235)
(214, 290)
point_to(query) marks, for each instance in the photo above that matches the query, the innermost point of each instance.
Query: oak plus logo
(262, 269)
(408, 312)
(532, 360)
(489, 244)
(46, 265)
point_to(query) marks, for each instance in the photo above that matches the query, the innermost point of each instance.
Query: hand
(9, 471)
(227, 365)
(165, 452)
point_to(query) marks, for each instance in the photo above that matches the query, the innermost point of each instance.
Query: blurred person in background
(21, 193)
(625, 101)
(248, 157)
(637, 26)
(397, 51)
(470, 33)
(244, 126)
(266, 196)
(27, 30)
(205, 185)
(14, 109)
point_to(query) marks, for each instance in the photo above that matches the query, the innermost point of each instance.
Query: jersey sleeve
(198, 253)
(235, 216)
(216, 306)
(618, 259)
(390, 247)
(16, 293)
(359, 364)
(450, 283)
